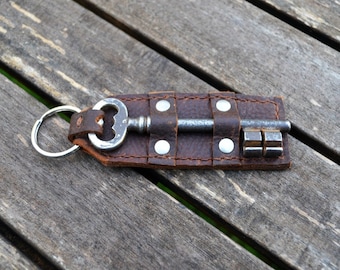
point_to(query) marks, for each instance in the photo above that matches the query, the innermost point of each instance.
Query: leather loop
(163, 129)
(226, 126)
(85, 122)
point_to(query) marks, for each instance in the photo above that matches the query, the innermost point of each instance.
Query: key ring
(37, 125)
(226, 138)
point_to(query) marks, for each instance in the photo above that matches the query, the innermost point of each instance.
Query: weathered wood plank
(247, 49)
(137, 69)
(68, 49)
(294, 213)
(11, 258)
(85, 216)
(320, 15)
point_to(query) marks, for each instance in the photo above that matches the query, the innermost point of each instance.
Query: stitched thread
(188, 158)
(206, 98)
(176, 158)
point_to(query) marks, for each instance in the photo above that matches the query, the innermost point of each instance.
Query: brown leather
(226, 125)
(163, 127)
(85, 122)
(187, 150)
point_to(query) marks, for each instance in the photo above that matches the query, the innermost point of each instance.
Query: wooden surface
(77, 58)
(322, 16)
(85, 216)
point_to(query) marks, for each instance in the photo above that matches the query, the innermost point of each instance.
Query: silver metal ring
(37, 125)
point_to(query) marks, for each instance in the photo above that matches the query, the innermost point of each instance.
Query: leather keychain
(220, 130)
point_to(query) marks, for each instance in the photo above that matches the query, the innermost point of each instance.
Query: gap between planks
(25, 247)
(296, 23)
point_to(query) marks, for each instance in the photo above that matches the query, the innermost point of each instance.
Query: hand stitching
(205, 98)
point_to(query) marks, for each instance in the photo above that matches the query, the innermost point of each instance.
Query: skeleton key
(252, 128)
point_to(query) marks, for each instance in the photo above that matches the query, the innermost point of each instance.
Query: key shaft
(142, 124)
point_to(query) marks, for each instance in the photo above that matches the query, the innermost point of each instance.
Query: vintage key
(255, 132)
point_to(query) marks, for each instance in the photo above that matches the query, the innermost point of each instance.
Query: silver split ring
(37, 125)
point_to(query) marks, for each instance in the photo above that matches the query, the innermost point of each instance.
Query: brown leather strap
(163, 127)
(226, 125)
(186, 149)
(85, 122)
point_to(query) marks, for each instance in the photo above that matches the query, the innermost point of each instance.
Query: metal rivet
(223, 105)
(162, 147)
(163, 105)
(100, 122)
(226, 145)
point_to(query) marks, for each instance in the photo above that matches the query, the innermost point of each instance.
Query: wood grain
(99, 58)
(79, 59)
(247, 49)
(320, 15)
(85, 216)
(294, 213)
